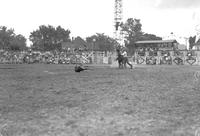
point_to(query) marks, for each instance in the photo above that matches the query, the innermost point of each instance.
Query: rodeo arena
(150, 88)
(41, 95)
(158, 52)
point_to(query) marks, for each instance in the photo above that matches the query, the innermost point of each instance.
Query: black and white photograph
(100, 68)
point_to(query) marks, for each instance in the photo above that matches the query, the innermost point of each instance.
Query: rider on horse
(124, 54)
(122, 58)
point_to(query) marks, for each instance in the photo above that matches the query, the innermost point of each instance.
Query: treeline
(47, 38)
(11, 41)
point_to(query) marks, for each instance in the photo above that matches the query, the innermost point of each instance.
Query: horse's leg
(125, 63)
(129, 63)
(119, 63)
(122, 65)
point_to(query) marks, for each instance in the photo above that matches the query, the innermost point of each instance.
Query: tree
(18, 43)
(101, 42)
(147, 36)
(5, 37)
(132, 29)
(10, 41)
(192, 41)
(48, 38)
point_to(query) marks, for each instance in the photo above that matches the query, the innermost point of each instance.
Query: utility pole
(118, 16)
(186, 43)
(197, 29)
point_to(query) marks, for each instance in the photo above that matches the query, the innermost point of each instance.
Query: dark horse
(122, 60)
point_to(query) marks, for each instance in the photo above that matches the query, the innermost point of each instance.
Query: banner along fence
(85, 57)
(170, 57)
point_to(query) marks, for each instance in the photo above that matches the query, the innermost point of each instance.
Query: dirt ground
(53, 100)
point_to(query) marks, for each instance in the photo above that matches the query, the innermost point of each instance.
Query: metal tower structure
(118, 16)
(197, 29)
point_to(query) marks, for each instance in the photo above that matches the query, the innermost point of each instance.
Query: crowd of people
(29, 57)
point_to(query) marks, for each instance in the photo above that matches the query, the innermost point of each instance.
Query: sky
(87, 17)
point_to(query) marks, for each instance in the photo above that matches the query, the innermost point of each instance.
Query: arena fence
(170, 57)
(86, 57)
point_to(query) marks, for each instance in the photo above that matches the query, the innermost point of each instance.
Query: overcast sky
(87, 17)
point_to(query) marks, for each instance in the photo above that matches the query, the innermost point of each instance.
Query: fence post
(185, 57)
(158, 57)
(198, 57)
(172, 56)
(135, 57)
(146, 56)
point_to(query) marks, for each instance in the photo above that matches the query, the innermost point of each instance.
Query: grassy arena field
(53, 100)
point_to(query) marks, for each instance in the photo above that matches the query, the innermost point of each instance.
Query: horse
(122, 60)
